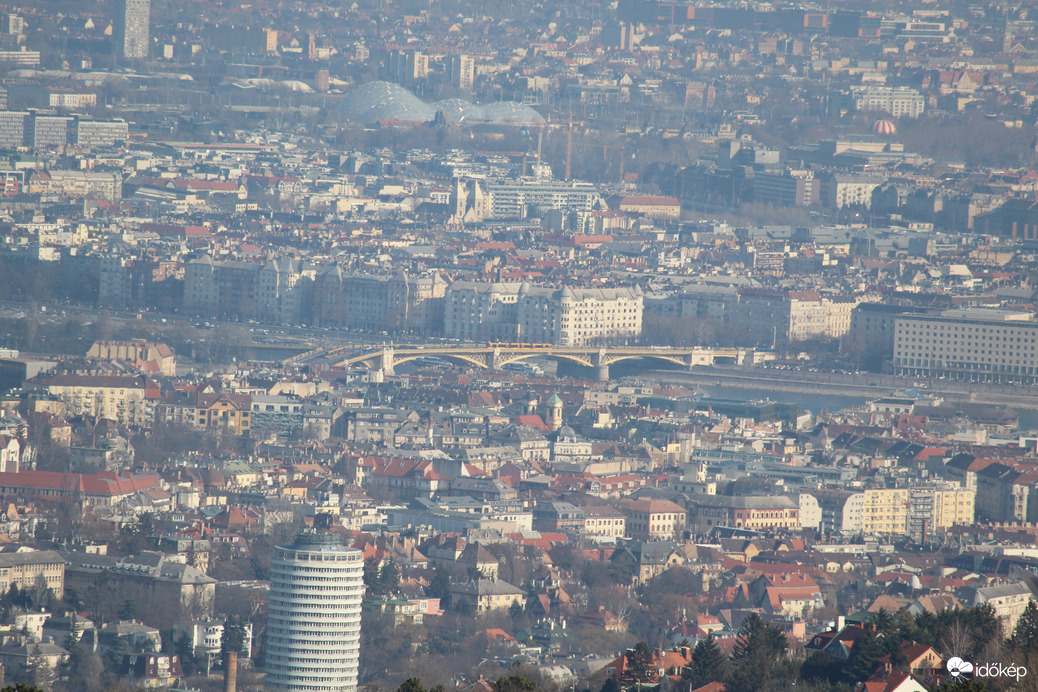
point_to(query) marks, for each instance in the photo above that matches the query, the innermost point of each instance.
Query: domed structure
(884, 127)
(375, 101)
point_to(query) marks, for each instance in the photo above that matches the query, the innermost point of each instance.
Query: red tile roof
(105, 483)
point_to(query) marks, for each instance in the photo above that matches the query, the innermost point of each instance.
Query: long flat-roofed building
(975, 345)
(24, 568)
(707, 512)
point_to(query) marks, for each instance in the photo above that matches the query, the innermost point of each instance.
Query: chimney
(230, 671)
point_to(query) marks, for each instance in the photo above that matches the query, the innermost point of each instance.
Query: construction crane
(569, 142)
(524, 155)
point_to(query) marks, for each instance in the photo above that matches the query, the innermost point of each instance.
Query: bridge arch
(676, 360)
(462, 357)
(374, 360)
(506, 358)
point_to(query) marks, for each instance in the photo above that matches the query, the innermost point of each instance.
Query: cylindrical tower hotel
(313, 624)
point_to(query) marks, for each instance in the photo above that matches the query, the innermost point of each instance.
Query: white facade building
(313, 640)
(974, 344)
(132, 28)
(522, 198)
(900, 102)
(540, 314)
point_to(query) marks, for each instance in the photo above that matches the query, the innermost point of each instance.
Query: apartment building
(23, 57)
(795, 188)
(1009, 601)
(108, 186)
(772, 316)
(974, 345)
(220, 288)
(22, 569)
(133, 282)
(316, 590)
(654, 520)
(918, 511)
(14, 129)
(654, 207)
(522, 199)
(166, 578)
(378, 302)
(127, 400)
(579, 317)
(1005, 493)
(405, 66)
(40, 96)
(841, 511)
(539, 314)
(873, 325)
(208, 410)
(92, 134)
(707, 512)
(51, 131)
(483, 311)
(900, 102)
(11, 183)
(604, 521)
(695, 301)
(462, 70)
(284, 291)
(132, 27)
(839, 190)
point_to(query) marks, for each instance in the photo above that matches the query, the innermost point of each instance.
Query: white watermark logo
(958, 667)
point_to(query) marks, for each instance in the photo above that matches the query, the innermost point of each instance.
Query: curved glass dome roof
(375, 101)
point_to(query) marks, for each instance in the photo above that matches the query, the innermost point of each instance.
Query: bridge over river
(494, 356)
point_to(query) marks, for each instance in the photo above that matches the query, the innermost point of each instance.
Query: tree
(962, 685)
(41, 594)
(821, 666)
(640, 663)
(128, 611)
(440, 584)
(899, 660)
(388, 577)
(709, 664)
(864, 657)
(83, 668)
(758, 638)
(1025, 636)
(514, 683)
(233, 638)
(38, 671)
(182, 647)
(757, 650)
(10, 599)
(515, 611)
(411, 685)
(371, 575)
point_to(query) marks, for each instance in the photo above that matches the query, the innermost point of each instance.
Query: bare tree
(957, 641)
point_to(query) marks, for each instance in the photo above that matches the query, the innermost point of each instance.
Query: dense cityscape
(455, 346)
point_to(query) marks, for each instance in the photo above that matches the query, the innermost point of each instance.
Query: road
(274, 335)
(754, 378)
(866, 386)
